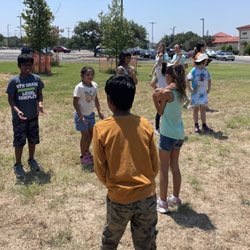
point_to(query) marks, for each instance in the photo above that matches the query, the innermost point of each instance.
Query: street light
(173, 29)
(20, 26)
(8, 25)
(152, 33)
(202, 19)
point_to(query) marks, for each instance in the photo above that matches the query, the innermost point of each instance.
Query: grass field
(63, 207)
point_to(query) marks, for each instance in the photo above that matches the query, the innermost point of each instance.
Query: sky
(184, 15)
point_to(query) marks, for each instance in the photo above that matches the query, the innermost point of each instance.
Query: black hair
(121, 90)
(85, 69)
(177, 73)
(122, 57)
(164, 68)
(198, 48)
(178, 44)
(24, 58)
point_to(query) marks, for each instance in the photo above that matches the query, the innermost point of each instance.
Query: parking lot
(88, 56)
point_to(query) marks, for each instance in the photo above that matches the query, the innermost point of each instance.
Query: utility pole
(20, 26)
(202, 19)
(8, 25)
(121, 8)
(152, 33)
(173, 29)
(68, 28)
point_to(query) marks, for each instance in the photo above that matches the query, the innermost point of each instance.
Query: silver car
(225, 56)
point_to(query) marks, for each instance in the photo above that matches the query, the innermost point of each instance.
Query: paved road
(88, 56)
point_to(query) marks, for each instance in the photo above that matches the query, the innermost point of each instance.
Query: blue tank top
(172, 125)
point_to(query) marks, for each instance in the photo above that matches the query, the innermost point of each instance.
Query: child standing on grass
(124, 68)
(26, 101)
(162, 83)
(201, 85)
(126, 162)
(172, 134)
(85, 99)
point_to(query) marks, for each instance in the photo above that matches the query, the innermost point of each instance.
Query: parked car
(26, 50)
(190, 53)
(3, 47)
(134, 51)
(225, 56)
(148, 53)
(211, 53)
(170, 52)
(47, 51)
(61, 49)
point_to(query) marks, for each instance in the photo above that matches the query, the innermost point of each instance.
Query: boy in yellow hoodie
(126, 162)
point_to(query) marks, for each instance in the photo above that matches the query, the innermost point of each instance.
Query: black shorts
(25, 129)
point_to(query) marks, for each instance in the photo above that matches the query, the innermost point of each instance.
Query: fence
(108, 63)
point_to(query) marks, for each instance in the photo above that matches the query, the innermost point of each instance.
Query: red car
(61, 49)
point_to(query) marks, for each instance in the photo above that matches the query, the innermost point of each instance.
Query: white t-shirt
(87, 97)
(162, 81)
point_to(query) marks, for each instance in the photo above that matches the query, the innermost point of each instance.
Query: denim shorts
(80, 126)
(168, 144)
(25, 129)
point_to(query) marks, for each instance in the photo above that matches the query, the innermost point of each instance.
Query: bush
(247, 49)
(229, 48)
(223, 47)
(235, 51)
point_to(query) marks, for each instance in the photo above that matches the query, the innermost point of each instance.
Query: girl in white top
(124, 68)
(179, 58)
(85, 99)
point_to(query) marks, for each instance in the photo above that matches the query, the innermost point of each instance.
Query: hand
(208, 91)
(172, 85)
(157, 93)
(150, 75)
(101, 115)
(84, 121)
(40, 110)
(21, 115)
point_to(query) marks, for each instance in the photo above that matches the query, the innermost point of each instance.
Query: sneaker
(197, 129)
(34, 166)
(174, 201)
(86, 160)
(89, 155)
(162, 207)
(190, 107)
(205, 128)
(18, 170)
(157, 131)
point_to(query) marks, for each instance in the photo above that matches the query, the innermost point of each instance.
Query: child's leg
(118, 216)
(32, 148)
(203, 114)
(195, 114)
(84, 142)
(165, 162)
(90, 136)
(143, 223)
(174, 165)
(18, 154)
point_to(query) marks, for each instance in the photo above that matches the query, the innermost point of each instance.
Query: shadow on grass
(211, 110)
(40, 178)
(186, 217)
(216, 134)
(88, 168)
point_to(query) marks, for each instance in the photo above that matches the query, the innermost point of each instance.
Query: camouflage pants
(143, 219)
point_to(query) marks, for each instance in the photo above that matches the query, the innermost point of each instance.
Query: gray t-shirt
(25, 92)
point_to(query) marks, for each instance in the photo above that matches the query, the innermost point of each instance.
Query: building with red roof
(244, 37)
(225, 39)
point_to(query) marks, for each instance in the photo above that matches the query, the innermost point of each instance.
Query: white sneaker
(157, 131)
(174, 201)
(162, 207)
(190, 107)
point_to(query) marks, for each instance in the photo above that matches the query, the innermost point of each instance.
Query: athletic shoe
(18, 170)
(197, 129)
(89, 155)
(157, 131)
(190, 107)
(174, 201)
(205, 128)
(162, 207)
(34, 166)
(86, 160)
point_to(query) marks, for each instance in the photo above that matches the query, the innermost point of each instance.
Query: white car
(225, 56)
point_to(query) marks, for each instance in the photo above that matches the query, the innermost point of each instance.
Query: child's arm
(154, 155)
(179, 58)
(163, 96)
(100, 166)
(40, 101)
(152, 72)
(77, 108)
(193, 91)
(98, 107)
(132, 74)
(209, 86)
(11, 100)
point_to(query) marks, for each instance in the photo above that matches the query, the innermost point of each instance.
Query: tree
(116, 35)
(247, 49)
(140, 35)
(89, 33)
(38, 19)
(2, 42)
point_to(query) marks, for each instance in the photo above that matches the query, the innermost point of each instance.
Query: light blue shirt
(172, 125)
(182, 61)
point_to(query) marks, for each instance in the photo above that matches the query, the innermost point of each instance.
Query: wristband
(19, 112)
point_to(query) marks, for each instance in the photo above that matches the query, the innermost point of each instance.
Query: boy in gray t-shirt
(26, 101)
